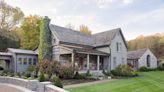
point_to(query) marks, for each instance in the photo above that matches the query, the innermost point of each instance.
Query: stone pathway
(12, 88)
(86, 84)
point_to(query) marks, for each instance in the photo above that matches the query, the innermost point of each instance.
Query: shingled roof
(72, 36)
(105, 38)
(136, 54)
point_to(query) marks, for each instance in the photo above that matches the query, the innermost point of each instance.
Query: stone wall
(33, 85)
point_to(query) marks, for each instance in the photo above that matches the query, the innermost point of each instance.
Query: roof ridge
(77, 31)
(114, 29)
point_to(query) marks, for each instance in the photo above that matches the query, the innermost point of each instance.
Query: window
(25, 61)
(30, 61)
(148, 60)
(117, 44)
(34, 61)
(20, 60)
(114, 62)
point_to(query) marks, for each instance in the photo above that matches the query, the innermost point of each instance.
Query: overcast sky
(134, 17)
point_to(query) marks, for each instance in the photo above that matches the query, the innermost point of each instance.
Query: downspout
(110, 58)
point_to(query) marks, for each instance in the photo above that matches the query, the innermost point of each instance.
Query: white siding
(104, 49)
(121, 55)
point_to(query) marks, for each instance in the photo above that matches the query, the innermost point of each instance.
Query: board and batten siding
(118, 57)
(143, 60)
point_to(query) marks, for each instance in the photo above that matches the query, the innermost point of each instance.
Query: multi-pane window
(20, 60)
(30, 61)
(34, 61)
(25, 61)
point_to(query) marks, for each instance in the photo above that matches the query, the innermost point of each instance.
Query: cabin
(142, 57)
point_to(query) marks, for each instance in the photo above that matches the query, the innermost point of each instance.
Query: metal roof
(21, 51)
(5, 54)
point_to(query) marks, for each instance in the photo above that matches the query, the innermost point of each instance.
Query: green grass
(146, 82)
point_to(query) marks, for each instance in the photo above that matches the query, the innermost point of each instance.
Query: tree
(154, 42)
(85, 29)
(8, 39)
(30, 32)
(45, 47)
(9, 16)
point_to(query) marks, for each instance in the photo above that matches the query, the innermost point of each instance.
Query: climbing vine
(45, 47)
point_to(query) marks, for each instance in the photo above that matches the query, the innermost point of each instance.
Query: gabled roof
(136, 54)
(21, 51)
(71, 36)
(76, 37)
(105, 38)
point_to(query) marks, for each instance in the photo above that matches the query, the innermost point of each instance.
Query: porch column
(98, 63)
(72, 58)
(87, 61)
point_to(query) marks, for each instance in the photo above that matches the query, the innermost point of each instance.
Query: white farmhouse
(101, 51)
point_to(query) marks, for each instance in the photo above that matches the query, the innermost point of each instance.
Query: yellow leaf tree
(85, 29)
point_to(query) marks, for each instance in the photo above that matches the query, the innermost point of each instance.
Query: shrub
(124, 71)
(1, 68)
(88, 74)
(66, 71)
(46, 77)
(27, 74)
(143, 69)
(56, 81)
(18, 75)
(160, 68)
(107, 73)
(49, 67)
(7, 73)
(31, 68)
(41, 77)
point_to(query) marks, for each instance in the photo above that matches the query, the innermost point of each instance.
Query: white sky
(134, 17)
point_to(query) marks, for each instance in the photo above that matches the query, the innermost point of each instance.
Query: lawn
(146, 82)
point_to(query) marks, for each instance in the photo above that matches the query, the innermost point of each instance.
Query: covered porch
(86, 59)
(5, 60)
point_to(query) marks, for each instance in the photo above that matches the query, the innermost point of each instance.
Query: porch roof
(89, 51)
(5, 54)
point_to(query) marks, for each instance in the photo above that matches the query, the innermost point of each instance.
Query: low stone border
(33, 85)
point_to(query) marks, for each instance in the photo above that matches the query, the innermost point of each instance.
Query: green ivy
(45, 48)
